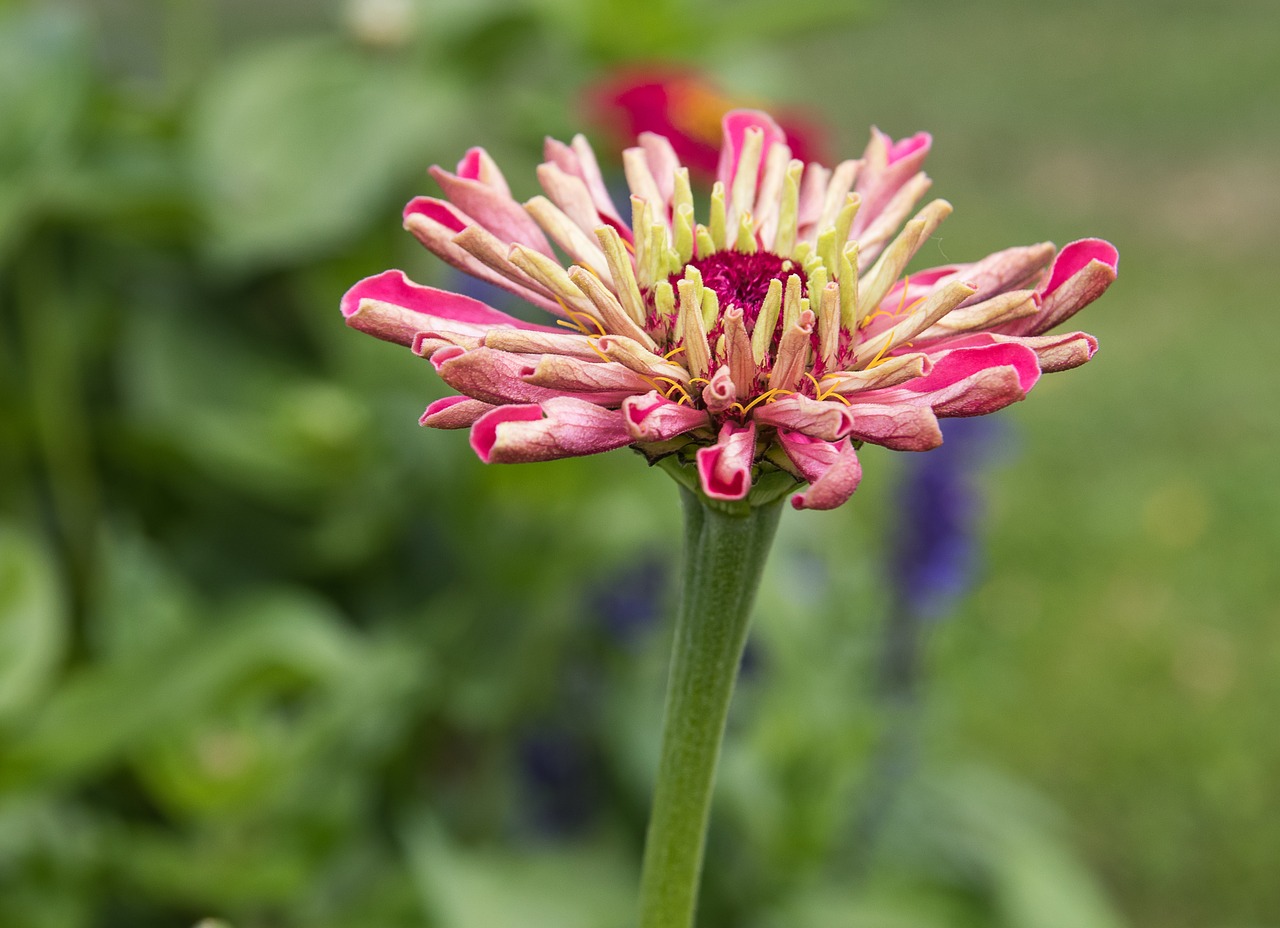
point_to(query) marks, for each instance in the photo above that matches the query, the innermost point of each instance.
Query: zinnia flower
(770, 339)
(686, 108)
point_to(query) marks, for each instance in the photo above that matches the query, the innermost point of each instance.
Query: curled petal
(454, 412)
(888, 166)
(562, 373)
(902, 426)
(1059, 352)
(560, 427)
(832, 469)
(969, 381)
(1081, 274)
(735, 125)
(477, 165)
(498, 377)
(828, 420)
(493, 210)
(725, 467)
(653, 417)
(394, 308)
(437, 225)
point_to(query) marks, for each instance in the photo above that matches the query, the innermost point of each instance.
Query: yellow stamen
(672, 353)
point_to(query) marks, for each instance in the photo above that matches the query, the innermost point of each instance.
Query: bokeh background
(270, 653)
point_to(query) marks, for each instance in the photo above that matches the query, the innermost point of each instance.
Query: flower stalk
(726, 546)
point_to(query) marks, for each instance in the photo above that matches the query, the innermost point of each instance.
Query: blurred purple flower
(933, 555)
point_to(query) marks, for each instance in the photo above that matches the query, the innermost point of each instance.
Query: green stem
(725, 551)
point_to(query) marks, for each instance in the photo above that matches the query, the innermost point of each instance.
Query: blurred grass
(1123, 651)
(270, 652)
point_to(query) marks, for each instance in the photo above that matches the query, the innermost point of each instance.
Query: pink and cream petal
(499, 214)
(392, 307)
(725, 467)
(828, 420)
(653, 417)
(735, 125)
(896, 424)
(560, 427)
(454, 412)
(832, 469)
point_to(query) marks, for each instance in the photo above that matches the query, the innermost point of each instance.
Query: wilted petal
(562, 373)
(725, 467)
(560, 427)
(497, 212)
(832, 469)
(437, 224)
(902, 425)
(454, 412)
(1059, 352)
(829, 420)
(653, 417)
(1082, 273)
(975, 381)
(499, 377)
(394, 308)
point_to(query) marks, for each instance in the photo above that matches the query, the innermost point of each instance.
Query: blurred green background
(270, 653)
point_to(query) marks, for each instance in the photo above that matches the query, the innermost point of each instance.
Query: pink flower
(686, 108)
(774, 337)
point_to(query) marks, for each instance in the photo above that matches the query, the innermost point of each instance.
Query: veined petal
(394, 308)
(653, 417)
(563, 373)
(454, 412)
(498, 377)
(832, 469)
(560, 427)
(901, 425)
(725, 467)
(828, 420)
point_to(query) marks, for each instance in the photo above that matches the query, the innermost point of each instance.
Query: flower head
(769, 340)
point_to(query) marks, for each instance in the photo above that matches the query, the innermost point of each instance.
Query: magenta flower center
(742, 280)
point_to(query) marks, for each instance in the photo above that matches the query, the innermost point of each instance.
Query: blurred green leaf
(33, 622)
(43, 88)
(537, 888)
(296, 146)
(106, 710)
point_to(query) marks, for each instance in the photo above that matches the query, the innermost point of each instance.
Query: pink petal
(902, 425)
(498, 377)
(735, 125)
(1060, 352)
(725, 467)
(477, 165)
(1075, 257)
(889, 165)
(653, 417)
(828, 420)
(966, 382)
(493, 210)
(560, 427)
(454, 412)
(394, 308)
(832, 469)
(1082, 273)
